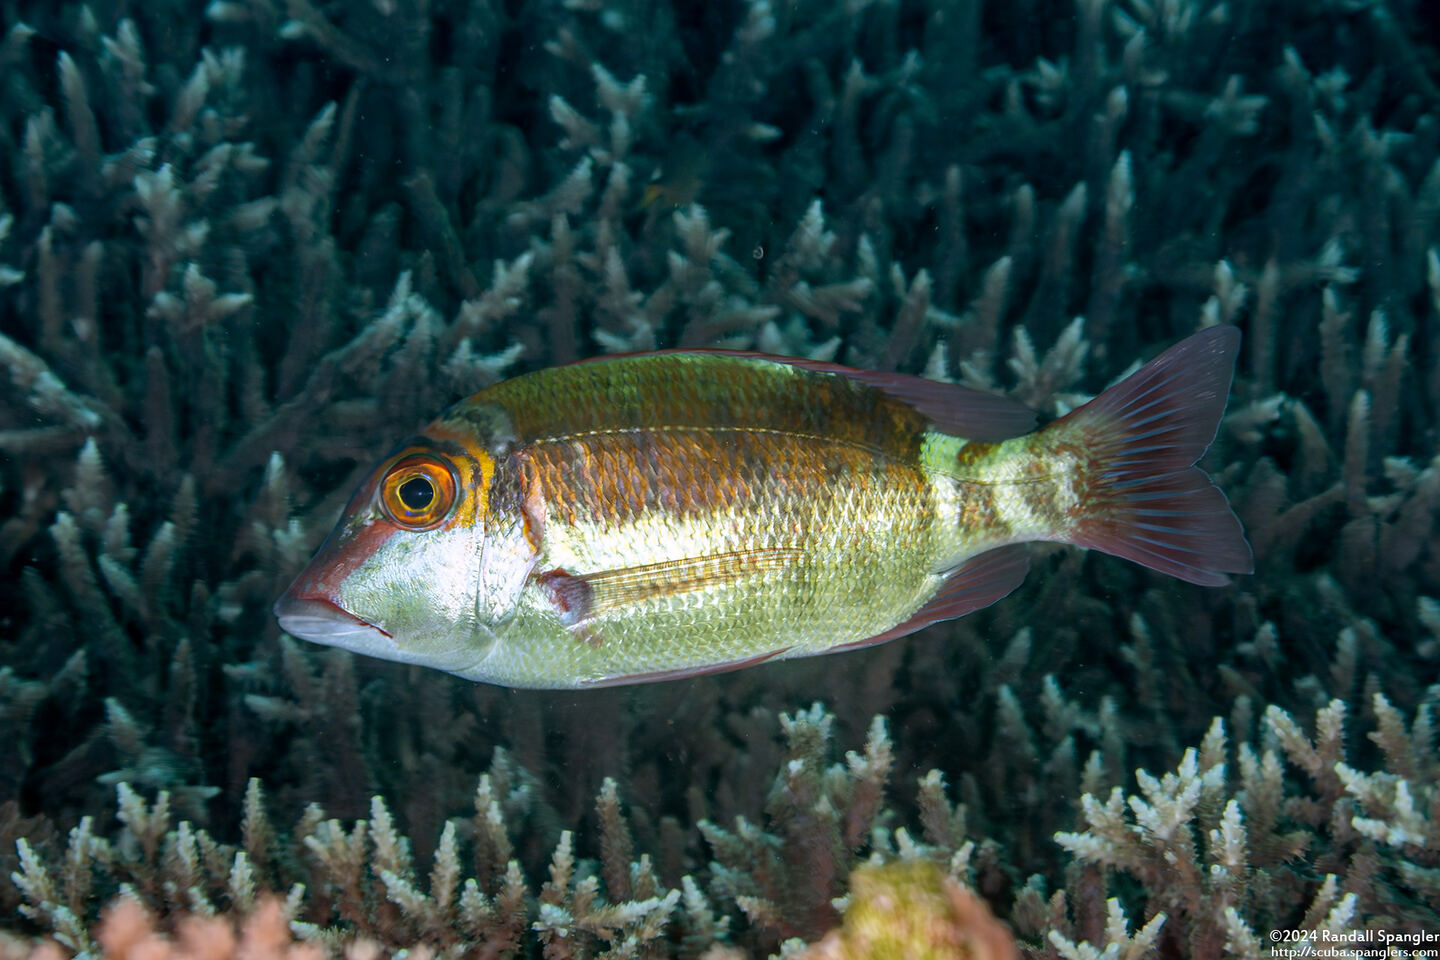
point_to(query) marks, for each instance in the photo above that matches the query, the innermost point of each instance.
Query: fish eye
(418, 492)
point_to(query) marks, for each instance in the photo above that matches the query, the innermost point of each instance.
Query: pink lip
(320, 619)
(311, 608)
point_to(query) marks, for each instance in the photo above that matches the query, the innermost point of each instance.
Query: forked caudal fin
(1142, 497)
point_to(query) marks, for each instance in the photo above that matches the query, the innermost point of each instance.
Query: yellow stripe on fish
(661, 515)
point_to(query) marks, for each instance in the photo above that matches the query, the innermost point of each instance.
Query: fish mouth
(322, 620)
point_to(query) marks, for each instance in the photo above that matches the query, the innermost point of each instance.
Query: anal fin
(975, 584)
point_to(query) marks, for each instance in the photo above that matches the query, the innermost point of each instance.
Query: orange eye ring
(418, 492)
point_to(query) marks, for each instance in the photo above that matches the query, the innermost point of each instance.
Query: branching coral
(1217, 855)
(1220, 863)
(362, 880)
(241, 253)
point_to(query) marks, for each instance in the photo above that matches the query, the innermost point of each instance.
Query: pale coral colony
(245, 244)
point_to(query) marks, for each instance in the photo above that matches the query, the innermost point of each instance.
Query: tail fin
(1145, 500)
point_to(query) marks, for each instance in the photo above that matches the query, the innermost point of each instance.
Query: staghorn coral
(1219, 857)
(362, 881)
(245, 245)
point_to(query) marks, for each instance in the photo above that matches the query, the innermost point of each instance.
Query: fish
(647, 517)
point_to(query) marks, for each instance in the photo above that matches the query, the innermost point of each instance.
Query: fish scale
(797, 496)
(662, 515)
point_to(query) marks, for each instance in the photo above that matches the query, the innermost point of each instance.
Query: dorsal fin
(953, 409)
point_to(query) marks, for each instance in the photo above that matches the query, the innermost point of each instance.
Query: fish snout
(311, 615)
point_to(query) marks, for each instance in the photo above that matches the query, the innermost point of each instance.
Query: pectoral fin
(581, 599)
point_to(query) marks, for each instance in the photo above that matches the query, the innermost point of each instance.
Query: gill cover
(400, 577)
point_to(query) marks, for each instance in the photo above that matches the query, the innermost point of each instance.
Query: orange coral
(128, 932)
